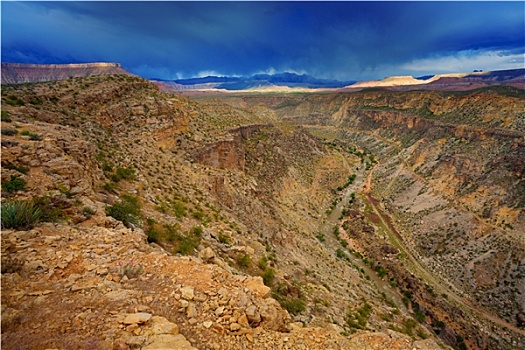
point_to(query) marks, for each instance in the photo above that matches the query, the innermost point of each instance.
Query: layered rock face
(447, 169)
(16, 73)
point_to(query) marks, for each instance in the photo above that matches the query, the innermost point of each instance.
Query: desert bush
(243, 260)
(32, 136)
(294, 305)
(359, 318)
(9, 132)
(127, 210)
(129, 269)
(14, 184)
(185, 245)
(5, 117)
(224, 238)
(268, 276)
(123, 173)
(14, 101)
(178, 208)
(20, 214)
(52, 208)
(20, 169)
(88, 212)
(197, 231)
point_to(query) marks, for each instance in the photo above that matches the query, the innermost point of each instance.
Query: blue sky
(339, 40)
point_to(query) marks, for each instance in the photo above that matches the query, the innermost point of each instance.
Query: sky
(330, 40)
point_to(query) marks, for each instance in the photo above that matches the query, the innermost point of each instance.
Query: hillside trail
(422, 272)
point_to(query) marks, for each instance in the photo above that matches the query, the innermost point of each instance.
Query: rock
(187, 293)
(207, 324)
(219, 311)
(448, 336)
(207, 255)
(138, 318)
(273, 316)
(235, 327)
(169, 342)
(191, 310)
(253, 315)
(243, 321)
(256, 285)
(160, 325)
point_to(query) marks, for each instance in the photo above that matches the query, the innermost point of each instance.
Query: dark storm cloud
(346, 40)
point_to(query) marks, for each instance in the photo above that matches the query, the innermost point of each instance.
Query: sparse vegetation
(9, 132)
(126, 210)
(20, 214)
(359, 318)
(5, 117)
(129, 269)
(14, 184)
(14, 101)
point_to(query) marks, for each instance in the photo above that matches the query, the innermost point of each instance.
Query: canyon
(331, 220)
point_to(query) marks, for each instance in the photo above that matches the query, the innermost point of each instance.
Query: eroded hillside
(138, 219)
(446, 184)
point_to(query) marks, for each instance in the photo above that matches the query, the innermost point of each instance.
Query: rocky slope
(16, 73)
(446, 185)
(222, 239)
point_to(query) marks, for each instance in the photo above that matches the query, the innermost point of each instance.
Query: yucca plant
(20, 214)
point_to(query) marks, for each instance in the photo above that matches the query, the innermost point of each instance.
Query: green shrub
(243, 260)
(178, 208)
(268, 276)
(123, 173)
(359, 319)
(152, 232)
(110, 187)
(5, 117)
(14, 184)
(32, 135)
(52, 208)
(197, 214)
(20, 214)
(294, 306)
(14, 101)
(88, 212)
(35, 137)
(320, 236)
(20, 169)
(127, 210)
(129, 269)
(197, 231)
(9, 132)
(185, 245)
(224, 238)
(263, 263)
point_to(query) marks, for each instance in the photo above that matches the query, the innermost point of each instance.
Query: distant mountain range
(15, 73)
(454, 81)
(258, 81)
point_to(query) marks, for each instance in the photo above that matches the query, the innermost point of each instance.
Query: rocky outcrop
(16, 73)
